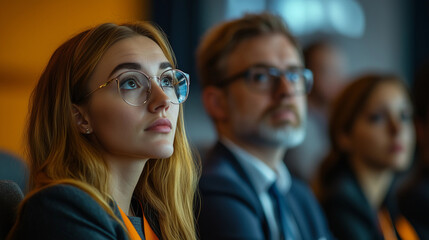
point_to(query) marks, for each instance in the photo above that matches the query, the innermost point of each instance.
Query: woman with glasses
(107, 146)
(372, 138)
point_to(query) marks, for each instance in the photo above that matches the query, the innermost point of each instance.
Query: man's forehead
(272, 49)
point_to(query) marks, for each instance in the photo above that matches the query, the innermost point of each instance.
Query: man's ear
(215, 103)
(81, 119)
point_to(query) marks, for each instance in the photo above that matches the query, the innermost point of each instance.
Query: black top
(414, 203)
(349, 213)
(138, 225)
(69, 213)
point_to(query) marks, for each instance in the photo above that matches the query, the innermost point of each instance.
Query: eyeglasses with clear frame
(134, 86)
(265, 78)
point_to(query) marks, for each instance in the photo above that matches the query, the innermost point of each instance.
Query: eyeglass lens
(134, 86)
(264, 79)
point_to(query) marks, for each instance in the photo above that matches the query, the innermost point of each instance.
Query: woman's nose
(394, 126)
(158, 100)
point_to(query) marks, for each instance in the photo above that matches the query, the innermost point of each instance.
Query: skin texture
(383, 135)
(125, 134)
(382, 140)
(264, 124)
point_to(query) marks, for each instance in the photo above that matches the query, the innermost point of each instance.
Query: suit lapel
(220, 151)
(299, 217)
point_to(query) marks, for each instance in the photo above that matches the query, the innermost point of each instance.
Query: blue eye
(406, 116)
(376, 117)
(131, 80)
(166, 82)
(260, 77)
(293, 76)
(129, 84)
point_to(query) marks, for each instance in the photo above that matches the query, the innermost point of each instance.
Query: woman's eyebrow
(165, 65)
(127, 65)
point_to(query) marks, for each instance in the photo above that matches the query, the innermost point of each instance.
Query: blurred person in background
(109, 158)
(414, 196)
(254, 89)
(372, 137)
(14, 169)
(13, 185)
(327, 62)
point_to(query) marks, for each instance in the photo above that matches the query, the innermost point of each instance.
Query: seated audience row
(109, 157)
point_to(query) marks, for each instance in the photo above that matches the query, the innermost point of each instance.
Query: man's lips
(396, 148)
(284, 114)
(162, 125)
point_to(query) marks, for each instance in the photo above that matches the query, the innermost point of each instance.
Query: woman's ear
(215, 103)
(81, 119)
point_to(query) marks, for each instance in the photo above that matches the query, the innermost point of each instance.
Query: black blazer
(230, 207)
(349, 213)
(414, 203)
(68, 213)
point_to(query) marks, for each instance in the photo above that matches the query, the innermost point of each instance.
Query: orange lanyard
(406, 231)
(404, 228)
(148, 232)
(386, 225)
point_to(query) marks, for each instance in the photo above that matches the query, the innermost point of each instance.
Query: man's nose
(284, 87)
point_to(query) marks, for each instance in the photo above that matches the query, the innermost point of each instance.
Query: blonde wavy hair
(59, 153)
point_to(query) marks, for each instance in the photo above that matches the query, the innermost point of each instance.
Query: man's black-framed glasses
(135, 86)
(265, 78)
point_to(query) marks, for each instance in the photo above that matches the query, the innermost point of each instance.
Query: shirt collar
(260, 174)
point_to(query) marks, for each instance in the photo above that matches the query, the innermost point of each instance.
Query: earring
(87, 131)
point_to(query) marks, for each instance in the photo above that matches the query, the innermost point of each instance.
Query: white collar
(260, 174)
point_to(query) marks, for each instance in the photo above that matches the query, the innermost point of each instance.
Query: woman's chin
(162, 152)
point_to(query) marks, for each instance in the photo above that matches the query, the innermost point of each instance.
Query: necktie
(281, 211)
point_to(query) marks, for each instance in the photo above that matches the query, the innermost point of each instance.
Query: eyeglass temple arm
(187, 80)
(99, 87)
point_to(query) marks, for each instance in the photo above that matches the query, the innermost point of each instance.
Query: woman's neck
(375, 183)
(124, 176)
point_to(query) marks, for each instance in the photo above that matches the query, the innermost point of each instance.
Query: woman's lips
(161, 125)
(396, 148)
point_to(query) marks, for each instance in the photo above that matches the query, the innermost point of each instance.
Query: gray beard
(265, 135)
(287, 137)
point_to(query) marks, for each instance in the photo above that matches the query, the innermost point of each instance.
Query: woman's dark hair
(346, 108)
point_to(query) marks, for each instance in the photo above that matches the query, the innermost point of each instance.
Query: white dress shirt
(262, 177)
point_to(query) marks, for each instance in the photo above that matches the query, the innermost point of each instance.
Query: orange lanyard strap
(386, 225)
(404, 228)
(149, 234)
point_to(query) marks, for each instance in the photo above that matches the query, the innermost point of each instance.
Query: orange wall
(29, 33)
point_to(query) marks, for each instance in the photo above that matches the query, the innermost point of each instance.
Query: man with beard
(254, 89)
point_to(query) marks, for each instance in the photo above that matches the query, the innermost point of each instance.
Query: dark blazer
(230, 207)
(414, 203)
(66, 212)
(349, 213)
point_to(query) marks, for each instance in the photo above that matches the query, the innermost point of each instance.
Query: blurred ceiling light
(236, 8)
(344, 17)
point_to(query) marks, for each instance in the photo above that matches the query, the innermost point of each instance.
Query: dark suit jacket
(230, 207)
(414, 203)
(66, 212)
(349, 213)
